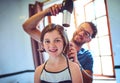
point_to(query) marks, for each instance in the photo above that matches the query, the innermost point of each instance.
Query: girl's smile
(53, 43)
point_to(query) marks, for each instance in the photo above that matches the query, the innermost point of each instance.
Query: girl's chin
(54, 54)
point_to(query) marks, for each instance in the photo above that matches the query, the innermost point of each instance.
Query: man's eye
(87, 34)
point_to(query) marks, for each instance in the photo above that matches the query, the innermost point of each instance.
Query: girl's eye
(46, 42)
(57, 40)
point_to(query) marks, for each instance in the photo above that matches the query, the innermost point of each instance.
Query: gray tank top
(63, 76)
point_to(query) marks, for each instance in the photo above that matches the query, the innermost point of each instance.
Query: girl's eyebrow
(55, 38)
(58, 38)
(46, 39)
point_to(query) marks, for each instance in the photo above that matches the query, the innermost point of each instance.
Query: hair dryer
(67, 8)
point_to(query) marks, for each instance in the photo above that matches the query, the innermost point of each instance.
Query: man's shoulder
(85, 51)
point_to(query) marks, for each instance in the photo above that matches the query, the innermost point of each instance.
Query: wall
(15, 45)
(114, 17)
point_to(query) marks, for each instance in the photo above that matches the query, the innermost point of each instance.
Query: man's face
(82, 34)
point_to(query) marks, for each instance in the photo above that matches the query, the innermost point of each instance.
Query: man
(84, 33)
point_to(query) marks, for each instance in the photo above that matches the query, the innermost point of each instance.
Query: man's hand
(54, 9)
(72, 52)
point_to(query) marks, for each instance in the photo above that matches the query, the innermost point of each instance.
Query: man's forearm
(32, 22)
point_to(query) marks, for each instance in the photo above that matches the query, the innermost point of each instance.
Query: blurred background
(19, 54)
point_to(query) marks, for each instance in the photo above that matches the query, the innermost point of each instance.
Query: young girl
(58, 68)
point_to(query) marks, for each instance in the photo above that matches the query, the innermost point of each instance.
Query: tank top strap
(44, 67)
(69, 68)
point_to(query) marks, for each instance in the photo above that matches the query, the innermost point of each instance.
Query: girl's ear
(41, 48)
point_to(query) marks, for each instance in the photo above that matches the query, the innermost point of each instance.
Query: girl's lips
(53, 50)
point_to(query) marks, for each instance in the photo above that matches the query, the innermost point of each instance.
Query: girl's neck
(56, 60)
(56, 64)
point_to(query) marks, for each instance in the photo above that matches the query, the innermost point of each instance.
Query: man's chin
(78, 43)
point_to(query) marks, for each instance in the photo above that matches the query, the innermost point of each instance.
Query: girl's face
(53, 43)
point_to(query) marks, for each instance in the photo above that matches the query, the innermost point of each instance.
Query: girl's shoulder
(39, 68)
(37, 74)
(75, 72)
(74, 67)
(71, 63)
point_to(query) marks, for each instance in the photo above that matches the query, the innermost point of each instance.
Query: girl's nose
(52, 44)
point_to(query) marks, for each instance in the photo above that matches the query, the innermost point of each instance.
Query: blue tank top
(63, 76)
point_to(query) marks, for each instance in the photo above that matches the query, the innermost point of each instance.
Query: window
(95, 11)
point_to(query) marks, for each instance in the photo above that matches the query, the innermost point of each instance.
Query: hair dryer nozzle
(66, 18)
(67, 11)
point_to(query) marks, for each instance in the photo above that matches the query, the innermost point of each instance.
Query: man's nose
(81, 34)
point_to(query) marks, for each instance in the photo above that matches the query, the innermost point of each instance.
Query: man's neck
(76, 46)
